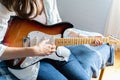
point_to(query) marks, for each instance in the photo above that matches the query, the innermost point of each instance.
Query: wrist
(30, 51)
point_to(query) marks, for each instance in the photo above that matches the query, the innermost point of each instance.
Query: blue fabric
(71, 70)
(93, 58)
(5, 74)
(110, 61)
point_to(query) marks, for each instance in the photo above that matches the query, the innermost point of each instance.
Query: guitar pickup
(26, 42)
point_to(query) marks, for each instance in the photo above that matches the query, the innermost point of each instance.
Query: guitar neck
(77, 41)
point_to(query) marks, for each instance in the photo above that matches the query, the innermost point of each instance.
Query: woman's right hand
(44, 48)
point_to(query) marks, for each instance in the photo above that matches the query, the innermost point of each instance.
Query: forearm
(14, 52)
(42, 49)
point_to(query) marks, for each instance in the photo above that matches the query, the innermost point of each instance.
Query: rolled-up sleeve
(2, 49)
(4, 18)
(52, 12)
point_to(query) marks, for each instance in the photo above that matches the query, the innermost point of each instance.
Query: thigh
(48, 72)
(92, 58)
(72, 69)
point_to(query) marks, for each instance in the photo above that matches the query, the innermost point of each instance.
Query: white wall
(89, 15)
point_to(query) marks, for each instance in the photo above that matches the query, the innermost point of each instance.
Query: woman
(44, 11)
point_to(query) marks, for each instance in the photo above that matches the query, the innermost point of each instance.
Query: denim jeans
(5, 74)
(93, 58)
(56, 70)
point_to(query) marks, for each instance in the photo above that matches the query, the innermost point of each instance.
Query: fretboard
(77, 41)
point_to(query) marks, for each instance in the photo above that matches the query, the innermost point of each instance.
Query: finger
(98, 42)
(95, 43)
(52, 49)
(54, 46)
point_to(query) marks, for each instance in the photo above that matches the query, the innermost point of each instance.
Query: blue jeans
(93, 58)
(56, 70)
(4, 73)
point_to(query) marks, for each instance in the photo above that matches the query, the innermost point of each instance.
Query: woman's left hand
(97, 43)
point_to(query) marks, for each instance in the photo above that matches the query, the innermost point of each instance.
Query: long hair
(23, 8)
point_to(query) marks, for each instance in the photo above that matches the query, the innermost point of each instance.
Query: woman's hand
(96, 42)
(44, 48)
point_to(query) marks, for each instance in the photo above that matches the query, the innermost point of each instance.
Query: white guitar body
(33, 38)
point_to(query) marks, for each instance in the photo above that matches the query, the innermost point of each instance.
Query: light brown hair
(23, 8)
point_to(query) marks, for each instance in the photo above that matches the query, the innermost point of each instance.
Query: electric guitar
(25, 33)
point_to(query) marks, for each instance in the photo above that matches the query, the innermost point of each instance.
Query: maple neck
(77, 41)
